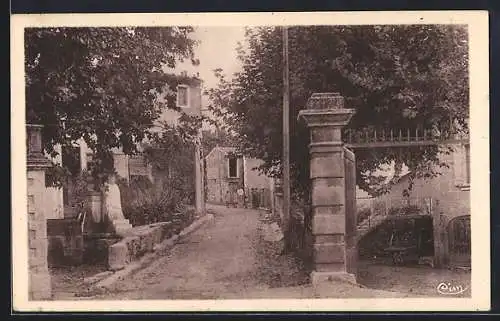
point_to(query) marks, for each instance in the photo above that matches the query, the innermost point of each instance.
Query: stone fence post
(325, 116)
(39, 285)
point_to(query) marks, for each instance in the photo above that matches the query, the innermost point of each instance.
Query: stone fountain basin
(138, 241)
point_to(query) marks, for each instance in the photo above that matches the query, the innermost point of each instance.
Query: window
(233, 167)
(467, 164)
(182, 96)
(90, 161)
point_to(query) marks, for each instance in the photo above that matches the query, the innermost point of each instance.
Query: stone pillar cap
(34, 125)
(326, 109)
(38, 162)
(331, 117)
(331, 100)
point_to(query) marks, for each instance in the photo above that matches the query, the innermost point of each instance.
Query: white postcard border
(477, 22)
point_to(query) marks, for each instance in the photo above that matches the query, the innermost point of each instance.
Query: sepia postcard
(319, 161)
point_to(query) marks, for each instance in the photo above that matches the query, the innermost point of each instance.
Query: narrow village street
(220, 260)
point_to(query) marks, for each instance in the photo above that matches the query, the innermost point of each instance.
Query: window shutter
(467, 164)
(461, 165)
(457, 166)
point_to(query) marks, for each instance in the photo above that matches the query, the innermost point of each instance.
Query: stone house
(446, 199)
(226, 172)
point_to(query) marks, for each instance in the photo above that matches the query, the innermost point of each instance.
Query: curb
(148, 258)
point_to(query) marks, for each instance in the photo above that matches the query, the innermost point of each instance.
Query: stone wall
(65, 242)
(39, 278)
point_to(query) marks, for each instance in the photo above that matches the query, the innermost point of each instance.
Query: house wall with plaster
(449, 191)
(219, 181)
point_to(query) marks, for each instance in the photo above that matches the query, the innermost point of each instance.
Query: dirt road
(217, 261)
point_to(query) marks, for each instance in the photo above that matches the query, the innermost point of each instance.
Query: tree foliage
(219, 137)
(395, 77)
(172, 155)
(100, 84)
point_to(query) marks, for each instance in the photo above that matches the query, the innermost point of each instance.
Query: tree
(171, 153)
(219, 137)
(100, 84)
(405, 76)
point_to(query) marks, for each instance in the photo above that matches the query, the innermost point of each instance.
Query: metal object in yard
(405, 246)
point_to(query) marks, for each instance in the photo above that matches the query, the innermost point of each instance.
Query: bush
(164, 208)
(379, 207)
(143, 205)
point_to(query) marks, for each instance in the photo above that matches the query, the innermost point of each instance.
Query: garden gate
(459, 241)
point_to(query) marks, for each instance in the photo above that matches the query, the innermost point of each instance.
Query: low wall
(96, 247)
(68, 246)
(139, 241)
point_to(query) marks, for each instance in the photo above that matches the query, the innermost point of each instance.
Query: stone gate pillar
(39, 286)
(325, 116)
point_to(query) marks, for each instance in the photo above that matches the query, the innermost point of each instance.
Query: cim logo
(447, 288)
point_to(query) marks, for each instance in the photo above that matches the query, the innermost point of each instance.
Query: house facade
(449, 192)
(226, 172)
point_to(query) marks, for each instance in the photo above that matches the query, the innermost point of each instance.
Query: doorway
(459, 241)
